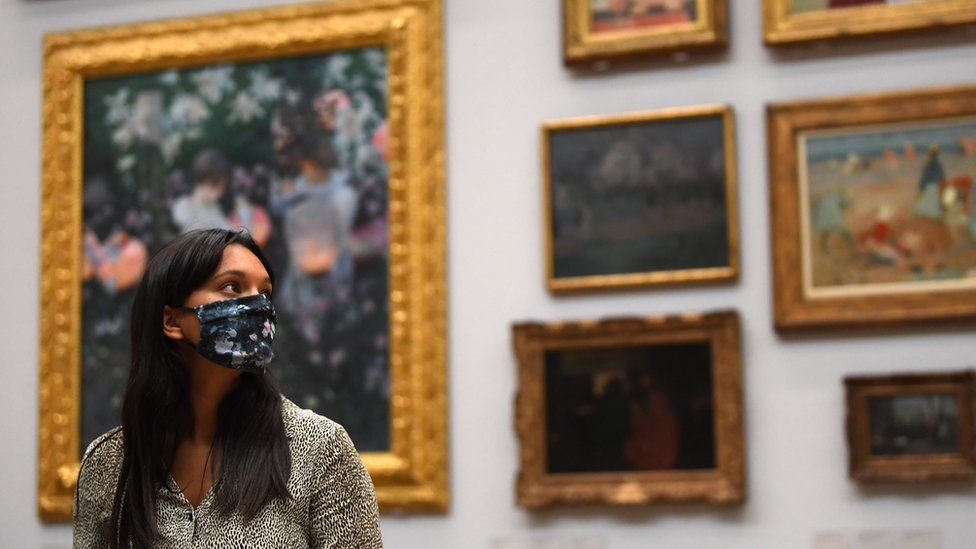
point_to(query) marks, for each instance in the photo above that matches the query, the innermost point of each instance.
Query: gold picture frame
(782, 26)
(722, 140)
(536, 345)
(913, 451)
(413, 474)
(800, 302)
(581, 44)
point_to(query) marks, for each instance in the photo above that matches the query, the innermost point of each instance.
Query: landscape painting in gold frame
(872, 204)
(630, 411)
(790, 21)
(146, 125)
(912, 427)
(640, 199)
(600, 30)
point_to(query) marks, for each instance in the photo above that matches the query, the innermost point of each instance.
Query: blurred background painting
(292, 149)
(800, 6)
(890, 208)
(914, 424)
(623, 15)
(642, 408)
(640, 197)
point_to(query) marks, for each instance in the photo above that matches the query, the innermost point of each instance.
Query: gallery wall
(504, 77)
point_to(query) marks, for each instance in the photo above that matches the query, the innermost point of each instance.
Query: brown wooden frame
(863, 466)
(793, 309)
(725, 484)
(782, 27)
(580, 45)
(725, 273)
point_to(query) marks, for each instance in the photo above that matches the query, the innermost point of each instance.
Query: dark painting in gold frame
(912, 427)
(676, 382)
(641, 199)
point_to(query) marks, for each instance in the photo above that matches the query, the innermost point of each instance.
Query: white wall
(504, 77)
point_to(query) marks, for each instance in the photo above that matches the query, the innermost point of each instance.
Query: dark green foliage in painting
(147, 141)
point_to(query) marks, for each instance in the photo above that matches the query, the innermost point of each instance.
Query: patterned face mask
(237, 333)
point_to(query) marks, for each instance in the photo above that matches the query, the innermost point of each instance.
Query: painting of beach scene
(889, 208)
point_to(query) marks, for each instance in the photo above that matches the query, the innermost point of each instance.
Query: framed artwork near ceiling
(873, 218)
(153, 129)
(640, 199)
(630, 411)
(912, 427)
(600, 30)
(790, 21)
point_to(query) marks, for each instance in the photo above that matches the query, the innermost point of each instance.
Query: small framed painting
(787, 21)
(599, 30)
(913, 427)
(873, 209)
(630, 411)
(640, 199)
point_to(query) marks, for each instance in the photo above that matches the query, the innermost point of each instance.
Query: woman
(209, 453)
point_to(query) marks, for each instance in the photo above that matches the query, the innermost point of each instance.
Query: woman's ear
(171, 326)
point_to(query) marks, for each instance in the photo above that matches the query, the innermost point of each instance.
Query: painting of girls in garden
(889, 208)
(295, 151)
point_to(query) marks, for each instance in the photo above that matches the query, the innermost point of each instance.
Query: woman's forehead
(238, 258)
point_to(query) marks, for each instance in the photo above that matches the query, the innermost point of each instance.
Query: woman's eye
(232, 285)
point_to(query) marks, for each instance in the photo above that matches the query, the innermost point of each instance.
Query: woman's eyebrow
(239, 273)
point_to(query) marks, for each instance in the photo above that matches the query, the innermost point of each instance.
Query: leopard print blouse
(334, 503)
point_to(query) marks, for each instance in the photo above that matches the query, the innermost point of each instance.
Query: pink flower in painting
(337, 356)
(381, 140)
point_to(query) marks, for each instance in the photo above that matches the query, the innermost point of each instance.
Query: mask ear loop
(186, 309)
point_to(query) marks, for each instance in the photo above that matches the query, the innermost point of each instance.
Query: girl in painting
(829, 217)
(209, 205)
(209, 453)
(930, 186)
(317, 208)
(653, 441)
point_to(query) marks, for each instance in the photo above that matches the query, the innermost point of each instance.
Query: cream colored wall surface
(504, 77)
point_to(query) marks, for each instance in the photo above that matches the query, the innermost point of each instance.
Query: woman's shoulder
(307, 429)
(101, 461)
(106, 446)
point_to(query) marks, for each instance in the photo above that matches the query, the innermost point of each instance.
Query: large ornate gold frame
(725, 484)
(781, 26)
(413, 474)
(581, 45)
(723, 273)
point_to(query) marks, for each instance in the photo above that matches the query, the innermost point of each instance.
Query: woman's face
(240, 273)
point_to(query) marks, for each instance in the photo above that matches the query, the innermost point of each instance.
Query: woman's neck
(209, 384)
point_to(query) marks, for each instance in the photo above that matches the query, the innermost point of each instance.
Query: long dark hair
(156, 412)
